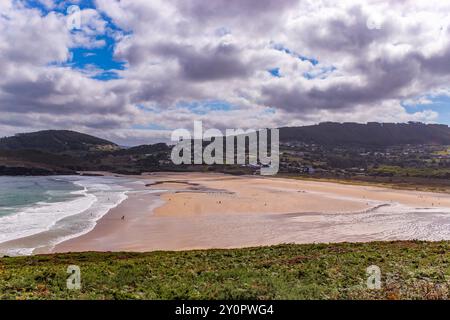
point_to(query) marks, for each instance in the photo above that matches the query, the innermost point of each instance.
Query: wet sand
(206, 210)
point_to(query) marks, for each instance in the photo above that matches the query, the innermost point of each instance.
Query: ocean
(52, 209)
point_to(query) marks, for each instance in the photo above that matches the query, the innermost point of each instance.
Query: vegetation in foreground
(410, 270)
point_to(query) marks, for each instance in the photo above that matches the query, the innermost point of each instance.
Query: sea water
(53, 209)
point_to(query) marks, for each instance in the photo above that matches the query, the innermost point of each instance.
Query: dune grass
(410, 270)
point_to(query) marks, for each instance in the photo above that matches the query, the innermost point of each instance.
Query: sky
(131, 71)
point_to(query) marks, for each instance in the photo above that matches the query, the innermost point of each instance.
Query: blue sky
(140, 67)
(101, 58)
(439, 104)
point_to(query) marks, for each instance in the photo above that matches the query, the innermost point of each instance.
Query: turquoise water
(49, 210)
(19, 192)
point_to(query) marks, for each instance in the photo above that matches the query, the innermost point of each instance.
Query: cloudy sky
(136, 69)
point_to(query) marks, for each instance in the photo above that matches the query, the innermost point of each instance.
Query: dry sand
(220, 211)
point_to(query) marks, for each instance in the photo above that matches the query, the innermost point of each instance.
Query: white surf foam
(87, 220)
(67, 219)
(390, 221)
(42, 216)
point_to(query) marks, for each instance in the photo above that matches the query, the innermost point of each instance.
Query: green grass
(397, 182)
(412, 172)
(410, 270)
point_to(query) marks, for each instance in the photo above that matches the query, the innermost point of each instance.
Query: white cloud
(192, 50)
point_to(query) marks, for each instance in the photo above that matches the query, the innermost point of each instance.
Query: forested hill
(371, 134)
(326, 133)
(65, 152)
(56, 141)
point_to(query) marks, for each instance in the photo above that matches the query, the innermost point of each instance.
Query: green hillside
(56, 141)
(409, 270)
(371, 134)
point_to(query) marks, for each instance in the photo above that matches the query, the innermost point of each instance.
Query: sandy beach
(206, 210)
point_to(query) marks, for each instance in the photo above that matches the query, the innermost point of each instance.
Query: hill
(370, 134)
(56, 141)
(144, 149)
(336, 151)
(326, 133)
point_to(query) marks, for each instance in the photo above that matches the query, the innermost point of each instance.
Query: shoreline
(58, 221)
(209, 210)
(111, 231)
